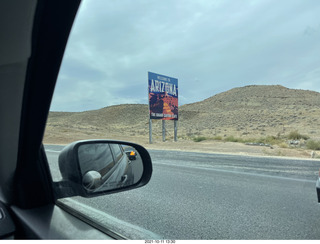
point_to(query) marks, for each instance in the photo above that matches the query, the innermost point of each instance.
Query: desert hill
(255, 111)
(251, 111)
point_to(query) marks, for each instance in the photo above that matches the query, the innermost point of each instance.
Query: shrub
(272, 140)
(233, 139)
(283, 145)
(295, 135)
(230, 139)
(218, 138)
(199, 139)
(313, 145)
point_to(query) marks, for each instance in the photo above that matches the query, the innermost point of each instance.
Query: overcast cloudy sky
(210, 46)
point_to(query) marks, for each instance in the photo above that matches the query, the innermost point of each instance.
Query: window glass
(247, 155)
(118, 153)
(97, 157)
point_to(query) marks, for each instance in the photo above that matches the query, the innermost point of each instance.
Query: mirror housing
(86, 171)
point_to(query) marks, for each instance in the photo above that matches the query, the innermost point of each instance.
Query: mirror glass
(108, 166)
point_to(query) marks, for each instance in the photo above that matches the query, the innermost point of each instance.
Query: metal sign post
(150, 131)
(163, 130)
(175, 130)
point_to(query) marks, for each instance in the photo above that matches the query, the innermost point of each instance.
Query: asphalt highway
(215, 196)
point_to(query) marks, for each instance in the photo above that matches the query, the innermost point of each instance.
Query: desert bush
(313, 145)
(233, 139)
(295, 135)
(283, 145)
(218, 138)
(273, 140)
(199, 138)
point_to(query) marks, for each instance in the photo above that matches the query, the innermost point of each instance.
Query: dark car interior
(34, 34)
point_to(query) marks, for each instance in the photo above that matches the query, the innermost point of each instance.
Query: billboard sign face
(163, 97)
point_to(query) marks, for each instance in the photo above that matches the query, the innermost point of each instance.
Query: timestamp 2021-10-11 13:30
(160, 241)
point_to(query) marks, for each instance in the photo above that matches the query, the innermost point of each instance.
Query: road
(214, 196)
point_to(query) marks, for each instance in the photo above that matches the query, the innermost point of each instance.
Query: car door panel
(52, 222)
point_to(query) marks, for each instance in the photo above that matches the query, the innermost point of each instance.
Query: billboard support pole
(163, 130)
(150, 131)
(175, 130)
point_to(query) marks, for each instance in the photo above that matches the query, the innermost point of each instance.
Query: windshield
(225, 97)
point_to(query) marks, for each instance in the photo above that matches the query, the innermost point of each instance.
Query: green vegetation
(283, 145)
(218, 138)
(233, 139)
(271, 140)
(199, 138)
(295, 135)
(313, 145)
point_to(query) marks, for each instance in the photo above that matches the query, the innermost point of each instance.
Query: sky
(210, 46)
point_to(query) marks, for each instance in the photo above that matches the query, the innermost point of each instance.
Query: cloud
(210, 46)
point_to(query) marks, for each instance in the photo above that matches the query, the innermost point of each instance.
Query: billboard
(163, 97)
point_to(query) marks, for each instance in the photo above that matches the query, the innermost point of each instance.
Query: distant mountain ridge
(250, 111)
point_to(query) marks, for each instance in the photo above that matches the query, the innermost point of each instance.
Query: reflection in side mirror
(107, 166)
(131, 153)
(92, 180)
(96, 167)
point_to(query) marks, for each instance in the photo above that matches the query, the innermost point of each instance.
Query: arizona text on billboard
(163, 97)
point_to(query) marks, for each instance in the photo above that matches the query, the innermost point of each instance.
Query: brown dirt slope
(247, 112)
(254, 111)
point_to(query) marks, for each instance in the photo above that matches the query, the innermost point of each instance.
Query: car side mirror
(98, 167)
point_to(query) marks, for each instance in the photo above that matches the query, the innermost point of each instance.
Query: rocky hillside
(255, 111)
(251, 111)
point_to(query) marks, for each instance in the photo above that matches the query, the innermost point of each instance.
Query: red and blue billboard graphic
(163, 97)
